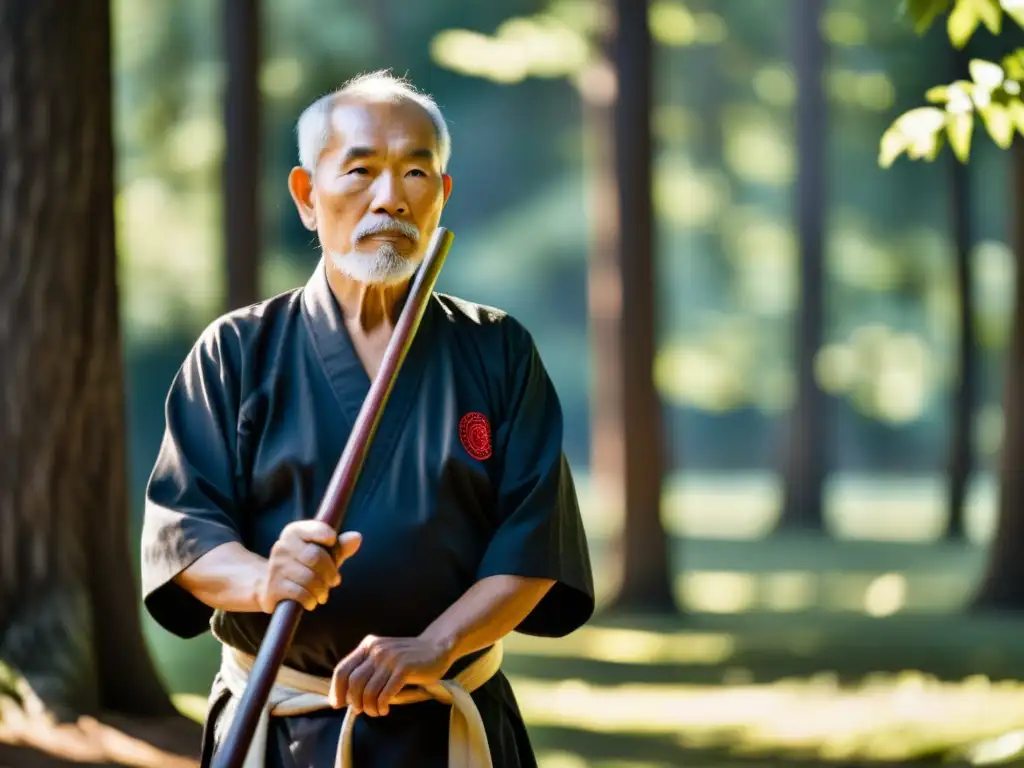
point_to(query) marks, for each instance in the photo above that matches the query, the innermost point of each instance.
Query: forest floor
(771, 690)
(108, 742)
(836, 654)
(775, 690)
(720, 691)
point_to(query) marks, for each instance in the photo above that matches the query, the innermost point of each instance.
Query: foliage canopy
(992, 94)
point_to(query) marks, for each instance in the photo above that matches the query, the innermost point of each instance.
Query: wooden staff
(286, 616)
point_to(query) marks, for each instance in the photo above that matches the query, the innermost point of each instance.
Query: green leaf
(960, 97)
(924, 12)
(962, 22)
(999, 125)
(990, 13)
(921, 121)
(917, 132)
(1014, 9)
(891, 146)
(960, 128)
(938, 143)
(986, 74)
(926, 147)
(1015, 108)
(1013, 65)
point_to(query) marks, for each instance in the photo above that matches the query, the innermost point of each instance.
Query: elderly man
(464, 525)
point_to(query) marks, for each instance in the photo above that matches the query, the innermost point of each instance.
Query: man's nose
(389, 196)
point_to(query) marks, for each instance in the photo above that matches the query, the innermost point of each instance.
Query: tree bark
(69, 622)
(1003, 586)
(628, 451)
(242, 158)
(961, 454)
(804, 475)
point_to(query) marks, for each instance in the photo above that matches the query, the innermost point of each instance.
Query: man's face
(376, 195)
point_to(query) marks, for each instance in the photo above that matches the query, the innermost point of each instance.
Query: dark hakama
(466, 479)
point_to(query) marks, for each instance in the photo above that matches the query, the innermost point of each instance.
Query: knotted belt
(296, 693)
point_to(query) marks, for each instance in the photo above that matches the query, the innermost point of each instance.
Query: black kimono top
(466, 477)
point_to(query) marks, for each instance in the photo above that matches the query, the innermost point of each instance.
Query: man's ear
(300, 184)
(446, 184)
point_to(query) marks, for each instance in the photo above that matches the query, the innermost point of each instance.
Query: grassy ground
(768, 690)
(720, 690)
(714, 690)
(794, 652)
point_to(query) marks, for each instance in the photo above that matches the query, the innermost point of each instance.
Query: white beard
(384, 266)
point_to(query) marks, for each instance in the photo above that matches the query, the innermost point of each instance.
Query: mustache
(386, 226)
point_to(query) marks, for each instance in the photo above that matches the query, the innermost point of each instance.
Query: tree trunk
(628, 451)
(805, 468)
(242, 158)
(961, 454)
(1003, 586)
(69, 623)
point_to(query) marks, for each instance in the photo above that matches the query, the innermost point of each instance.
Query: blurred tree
(69, 624)
(993, 93)
(628, 450)
(241, 180)
(805, 469)
(608, 56)
(961, 440)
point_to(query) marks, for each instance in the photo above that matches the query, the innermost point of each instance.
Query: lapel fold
(348, 378)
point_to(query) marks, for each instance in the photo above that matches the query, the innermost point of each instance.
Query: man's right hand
(303, 565)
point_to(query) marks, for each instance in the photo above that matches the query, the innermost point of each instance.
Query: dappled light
(674, 24)
(30, 734)
(874, 716)
(791, 365)
(887, 719)
(636, 646)
(542, 46)
(281, 77)
(755, 147)
(859, 507)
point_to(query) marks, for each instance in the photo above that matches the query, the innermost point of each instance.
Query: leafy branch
(993, 93)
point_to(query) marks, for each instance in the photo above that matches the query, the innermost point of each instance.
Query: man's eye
(416, 172)
(360, 170)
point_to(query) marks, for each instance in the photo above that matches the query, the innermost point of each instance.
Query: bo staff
(286, 616)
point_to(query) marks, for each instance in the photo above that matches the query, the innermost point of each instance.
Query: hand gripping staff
(286, 616)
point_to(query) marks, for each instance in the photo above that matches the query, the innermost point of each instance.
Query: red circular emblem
(475, 434)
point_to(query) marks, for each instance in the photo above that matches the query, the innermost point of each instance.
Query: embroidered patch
(475, 434)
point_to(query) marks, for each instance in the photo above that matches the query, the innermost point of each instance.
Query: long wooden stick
(286, 616)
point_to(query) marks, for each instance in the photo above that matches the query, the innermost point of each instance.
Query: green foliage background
(508, 75)
(993, 94)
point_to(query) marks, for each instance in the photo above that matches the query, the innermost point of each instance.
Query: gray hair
(314, 126)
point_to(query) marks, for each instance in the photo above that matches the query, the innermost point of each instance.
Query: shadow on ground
(774, 690)
(108, 741)
(720, 691)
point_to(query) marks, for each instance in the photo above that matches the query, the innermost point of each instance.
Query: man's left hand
(372, 675)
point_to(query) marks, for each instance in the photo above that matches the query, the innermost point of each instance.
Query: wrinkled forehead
(382, 124)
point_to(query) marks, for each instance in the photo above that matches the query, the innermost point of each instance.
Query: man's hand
(372, 675)
(303, 565)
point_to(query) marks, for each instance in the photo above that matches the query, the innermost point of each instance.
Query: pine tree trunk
(961, 454)
(805, 470)
(69, 622)
(1003, 586)
(961, 450)
(242, 157)
(628, 451)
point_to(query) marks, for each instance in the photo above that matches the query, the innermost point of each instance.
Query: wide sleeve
(540, 532)
(190, 498)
